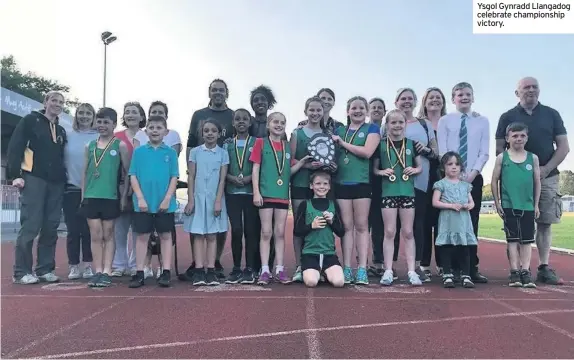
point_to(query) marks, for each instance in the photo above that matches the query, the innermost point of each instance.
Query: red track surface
(490, 321)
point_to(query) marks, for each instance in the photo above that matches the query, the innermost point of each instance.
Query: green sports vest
(399, 187)
(301, 178)
(269, 175)
(102, 182)
(356, 169)
(234, 155)
(517, 183)
(319, 241)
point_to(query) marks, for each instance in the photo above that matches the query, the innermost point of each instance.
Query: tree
(487, 193)
(566, 186)
(31, 85)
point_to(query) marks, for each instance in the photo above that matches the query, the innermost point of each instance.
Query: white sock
(264, 269)
(279, 268)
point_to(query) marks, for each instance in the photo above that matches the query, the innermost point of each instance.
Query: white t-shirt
(172, 138)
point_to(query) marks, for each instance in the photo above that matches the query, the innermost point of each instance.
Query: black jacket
(37, 147)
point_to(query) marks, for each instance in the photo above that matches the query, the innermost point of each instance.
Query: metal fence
(10, 208)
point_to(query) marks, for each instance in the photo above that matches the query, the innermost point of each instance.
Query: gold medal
(401, 157)
(241, 159)
(98, 161)
(346, 160)
(405, 177)
(280, 167)
(392, 178)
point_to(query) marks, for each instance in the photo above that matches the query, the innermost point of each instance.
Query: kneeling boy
(518, 173)
(317, 220)
(153, 177)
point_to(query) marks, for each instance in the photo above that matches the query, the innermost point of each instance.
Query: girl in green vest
(357, 142)
(398, 163)
(272, 169)
(318, 220)
(239, 198)
(300, 190)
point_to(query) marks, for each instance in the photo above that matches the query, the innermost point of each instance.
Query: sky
(170, 50)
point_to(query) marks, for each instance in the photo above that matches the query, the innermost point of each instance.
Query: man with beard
(216, 109)
(546, 128)
(262, 100)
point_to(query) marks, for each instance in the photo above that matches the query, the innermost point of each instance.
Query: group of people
(392, 178)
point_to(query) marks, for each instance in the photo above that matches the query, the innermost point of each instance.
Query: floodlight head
(105, 35)
(110, 40)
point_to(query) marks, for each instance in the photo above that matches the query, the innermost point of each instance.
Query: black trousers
(376, 224)
(456, 258)
(77, 226)
(476, 194)
(242, 216)
(430, 230)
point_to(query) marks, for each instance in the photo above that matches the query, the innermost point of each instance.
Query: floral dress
(454, 227)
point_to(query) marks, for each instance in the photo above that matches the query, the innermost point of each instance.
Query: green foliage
(32, 85)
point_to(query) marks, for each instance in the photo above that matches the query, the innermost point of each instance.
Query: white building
(568, 203)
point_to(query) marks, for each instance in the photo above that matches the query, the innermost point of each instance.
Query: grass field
(490, 226)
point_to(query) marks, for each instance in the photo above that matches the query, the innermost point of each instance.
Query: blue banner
(19, 105)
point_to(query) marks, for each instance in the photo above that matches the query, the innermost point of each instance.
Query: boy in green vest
(318, 221)
(107, 159)
(517, 172)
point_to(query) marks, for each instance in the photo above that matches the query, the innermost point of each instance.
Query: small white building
(568, 203)
(487, 207)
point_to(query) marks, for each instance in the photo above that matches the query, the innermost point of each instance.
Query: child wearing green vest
(357, 142)
(272, 169)
(107, 161)
(300, 190)
(516, 190)
(318, 220)
(398, 163)
(242, 213)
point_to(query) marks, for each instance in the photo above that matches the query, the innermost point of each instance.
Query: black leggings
(243, 216)
(77, 228)
(455, 258)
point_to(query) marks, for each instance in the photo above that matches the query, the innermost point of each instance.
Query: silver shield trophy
(322, 148)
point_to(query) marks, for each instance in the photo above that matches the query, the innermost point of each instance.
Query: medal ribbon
(98, 161)
(281, 167)
(241, 160)
(400, 154)
(352, 137)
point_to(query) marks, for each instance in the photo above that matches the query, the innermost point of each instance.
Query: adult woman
(77, 226)
(124, 263)
(419, 131)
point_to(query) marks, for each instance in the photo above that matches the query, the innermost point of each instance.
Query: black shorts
(301, 193)
(318, 262)
(102, 209)
(519, 226)
(274, 205)
(146, 223)
(398, 202)
(352, 192)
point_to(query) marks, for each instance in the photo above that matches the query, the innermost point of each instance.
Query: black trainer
(235, 276)
(514, 280)
(93, 282)
(198, 277)
(448, 281)
(477, 277)
(526, 279)
(137, 280)
(211, 278)
(164, 279)
(248, 276)
(467, 282)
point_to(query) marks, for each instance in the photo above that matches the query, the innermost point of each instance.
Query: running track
(491, 321)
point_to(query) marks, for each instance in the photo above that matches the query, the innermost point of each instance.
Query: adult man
(467, 133)
(546, 128)
(217, 110)
(36, 167)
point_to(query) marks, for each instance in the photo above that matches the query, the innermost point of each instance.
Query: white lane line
(300, 331)
(313, 343)
(63, 329)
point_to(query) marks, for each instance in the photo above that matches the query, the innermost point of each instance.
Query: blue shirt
(154, 168)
